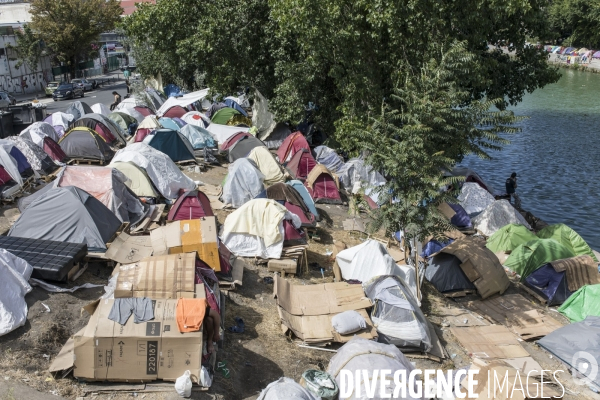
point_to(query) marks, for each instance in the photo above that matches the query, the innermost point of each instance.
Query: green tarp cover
(582, 303)
(568, 237)
(122, 120)
(528, 257)
(509, 238)
(224, 115)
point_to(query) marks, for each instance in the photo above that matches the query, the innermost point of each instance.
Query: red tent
(145, 111)
(291, 145)
(175, 112)
(323, 186)
(4, 176)
(292, 236)
(233, 140)
(301, 164)
(293, 201)
(54, 150)
(192, 204)
(141, 134)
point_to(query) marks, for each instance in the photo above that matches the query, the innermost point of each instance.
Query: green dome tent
(509, 238)
(528, 257)
(224, 115)
(122, 120)
(582, 304)
(567, 237)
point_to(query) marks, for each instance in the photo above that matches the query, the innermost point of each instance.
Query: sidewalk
(27, 97)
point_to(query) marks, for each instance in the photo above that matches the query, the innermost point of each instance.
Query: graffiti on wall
(29, 83)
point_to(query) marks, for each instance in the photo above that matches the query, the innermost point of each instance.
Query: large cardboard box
(143, 352)
(307, 309)
(199, 235)
(158, 277)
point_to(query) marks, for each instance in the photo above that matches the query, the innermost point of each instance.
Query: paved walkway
(11, 390)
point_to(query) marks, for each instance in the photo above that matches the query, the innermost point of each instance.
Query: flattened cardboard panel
(446, 210)
(493, 341)
(127, 249)
(469, 269)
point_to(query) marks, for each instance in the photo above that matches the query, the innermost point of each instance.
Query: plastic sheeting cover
(365, 261)
(38, 131)
(243, 183)
(163, 172)
(497, 215)
(197, 136)
(13, 287)
(361, 354)
(355, 170)
(329, 158)
(285, 388)
(182, 101)
(262, 118)
(474, 199)
(101, 109)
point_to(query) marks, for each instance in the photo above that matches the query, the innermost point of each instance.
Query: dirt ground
(256, 357)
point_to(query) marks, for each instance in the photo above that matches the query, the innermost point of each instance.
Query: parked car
(51, 87)
(84, 84)
(4, 100)
(67, 91)
(12, 99)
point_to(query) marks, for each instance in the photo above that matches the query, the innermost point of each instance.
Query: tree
(28, 48)
(69, 27)
(575, 22)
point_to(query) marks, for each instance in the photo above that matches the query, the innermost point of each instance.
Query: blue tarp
(233, 104)
(168, 123)
(172, 90)
(461, 219)
(549, 283)
(433, 246)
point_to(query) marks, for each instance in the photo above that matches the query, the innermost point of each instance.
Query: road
(100, 95)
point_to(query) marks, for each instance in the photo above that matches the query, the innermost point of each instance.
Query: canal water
(557, 154)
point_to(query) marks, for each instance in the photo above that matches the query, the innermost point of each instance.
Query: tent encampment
(60, 122)
(366, 261)
(497, 215)
(528, 257)
(467, 264)
(243, 146)
(582, 304)
(37, 131)
(329, 158)
(509, 237)
(78, 109)
(196, 118)
(137, 179)
(460, 219)
(36, 157)
(549, 284)
(279, 133)
(85, 144)
(226, 145)
(172, 143)
(169, 123)
(122, 120)
(191, 204)
(360, 355)
(292, 144)
(198, 137)
(256, 229)
(396, 314)
(224, 115)
(266, 163)
(139, 117)
(301, 164)
(567, 237)
(175, 111)
(54, 150)
(67, 214)
(355, 172)
(301, 189)
(293, 201)
(149, 124)
(323, 186)
(474, 199)
(223, 132)
(165, 175)
(243, 183)
(100, 108)
(103, 126)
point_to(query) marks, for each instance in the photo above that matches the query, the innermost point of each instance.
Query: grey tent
(445, 274)
(104, 126)
(85, 143)
(274, 139)
(243, 147)
(78, 109)
(574, 343)
(396, 314)
(67, 214)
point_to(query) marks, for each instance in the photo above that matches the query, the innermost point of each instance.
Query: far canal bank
(556, 154)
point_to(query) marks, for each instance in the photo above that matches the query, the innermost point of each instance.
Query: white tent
(163, 172)
(497, 215)
(182, 101)
(8, 162)
(13, 287)
(38, 131)
(101, 109)
(196, 118)
(365, 261)
(223, 132)
(139, 117)
(474, 199)
(243, 183)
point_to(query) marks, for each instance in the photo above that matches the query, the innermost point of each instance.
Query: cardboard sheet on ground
(152, 218)
(213, 193)
(127, 249)
(353, 224)
(307, 309)
(199, 235)
(460, 317)
(493, 341)
(237, 275)
(518, 313)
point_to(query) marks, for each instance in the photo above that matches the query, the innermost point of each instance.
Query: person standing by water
(117, 100)
(511, 189)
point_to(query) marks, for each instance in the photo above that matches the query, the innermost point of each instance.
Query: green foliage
(425, 128)
(28, 48)
(69, 27)
(575, 22)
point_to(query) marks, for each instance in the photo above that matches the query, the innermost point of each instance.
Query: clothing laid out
(190, 314)
(140, 307)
